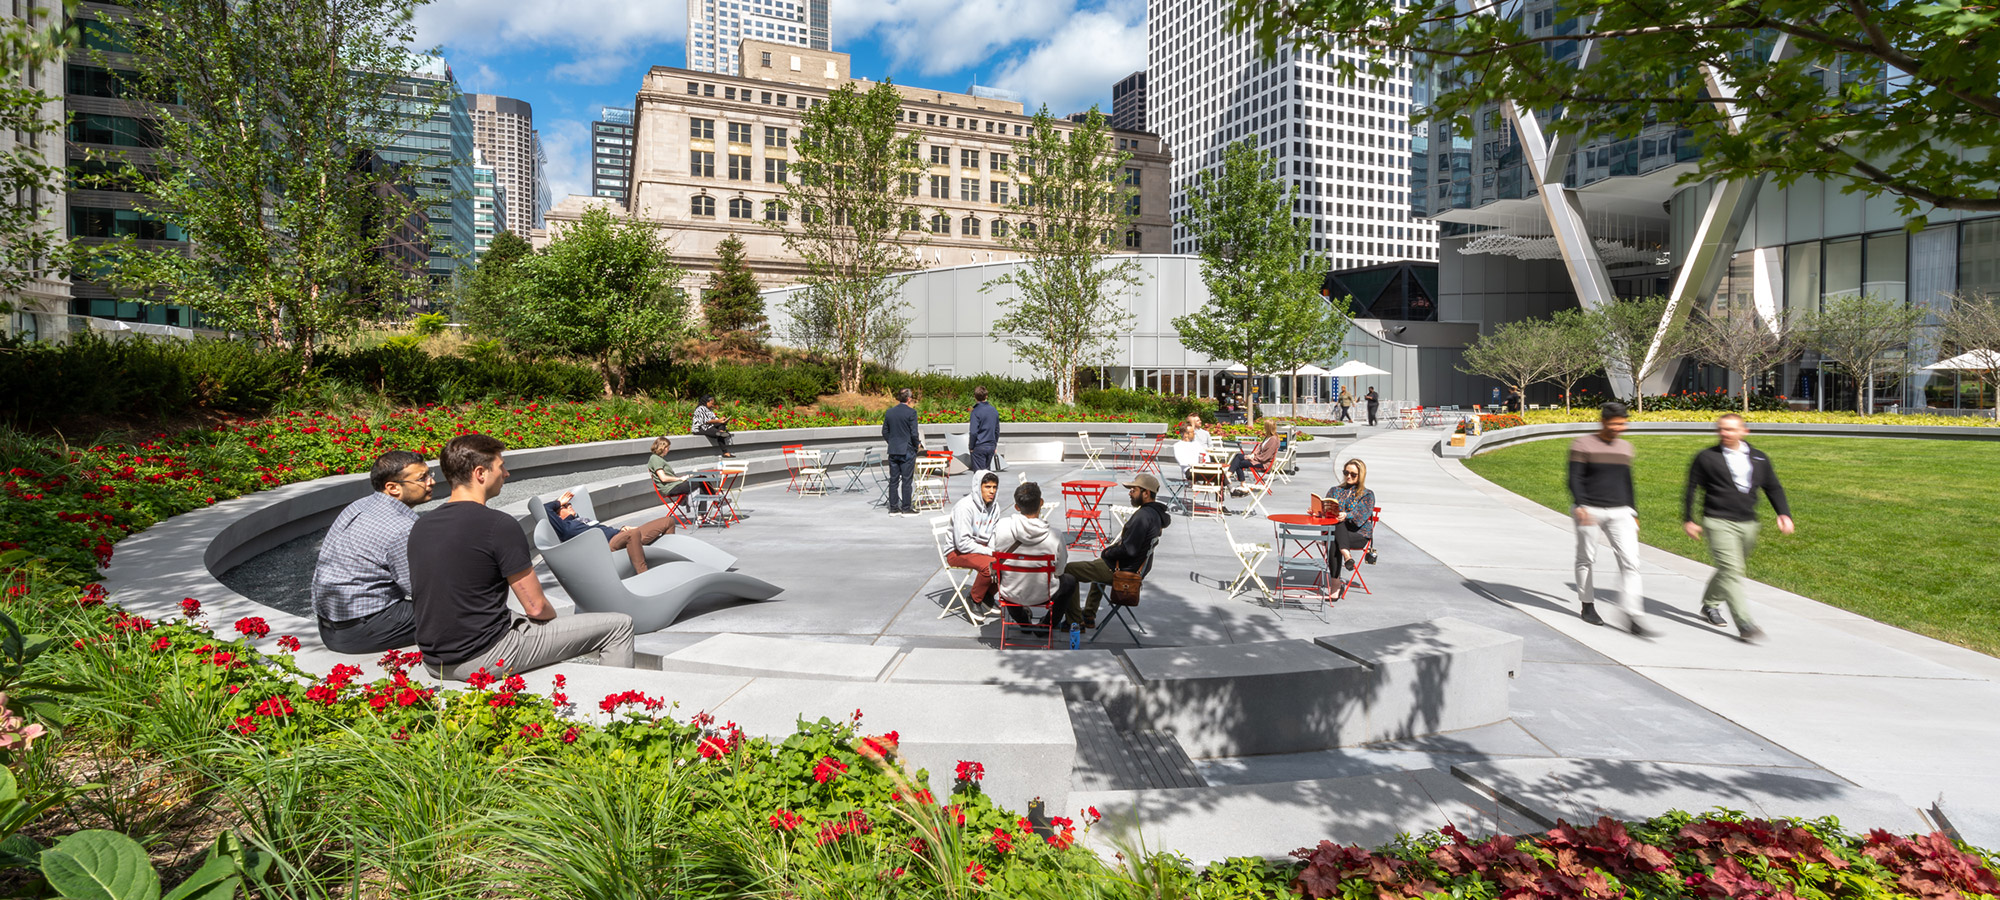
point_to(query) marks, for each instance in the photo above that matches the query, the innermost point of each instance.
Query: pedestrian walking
(1600, 486)
(1346, 403)
(1729, 475)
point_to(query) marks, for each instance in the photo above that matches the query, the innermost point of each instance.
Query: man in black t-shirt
(465, 556)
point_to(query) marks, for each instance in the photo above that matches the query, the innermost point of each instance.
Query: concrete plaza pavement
(1877, 706)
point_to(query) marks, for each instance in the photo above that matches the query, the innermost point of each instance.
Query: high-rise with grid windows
(503, 129)
(717, 28)
(1345, 144)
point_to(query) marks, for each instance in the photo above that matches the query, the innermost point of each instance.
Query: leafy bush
(767, 384)
(92, 376)
(937, 387)
(1146, 404)
(1716, 401)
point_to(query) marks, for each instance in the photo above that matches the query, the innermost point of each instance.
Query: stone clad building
(711, 151)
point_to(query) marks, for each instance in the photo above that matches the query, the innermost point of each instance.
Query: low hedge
(1555, 416)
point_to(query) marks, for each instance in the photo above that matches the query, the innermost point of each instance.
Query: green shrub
(938, 387)
(1155, 406)
(763, 384)
(92, 376)
(402, 371)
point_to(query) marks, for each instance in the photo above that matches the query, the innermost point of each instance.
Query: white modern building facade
(717, 28)
(1344, 144)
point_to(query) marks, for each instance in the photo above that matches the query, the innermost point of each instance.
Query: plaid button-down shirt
(364, 563)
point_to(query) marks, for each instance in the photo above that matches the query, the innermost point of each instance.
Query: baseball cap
(1146, 481)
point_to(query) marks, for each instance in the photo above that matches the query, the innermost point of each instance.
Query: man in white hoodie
(972, 522)
(1026, 534)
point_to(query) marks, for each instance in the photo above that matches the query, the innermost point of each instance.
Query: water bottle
(1075, 636)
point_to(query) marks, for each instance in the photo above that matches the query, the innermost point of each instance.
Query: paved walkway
(1878, 706)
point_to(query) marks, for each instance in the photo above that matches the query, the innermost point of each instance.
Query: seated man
(1200, 437)
(361, 586)
(972, 522)
(465, 556)
(1128, 554)
(1026, 534)
(633, 540)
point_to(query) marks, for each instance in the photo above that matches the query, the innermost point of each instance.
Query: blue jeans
(980, 459)
(902, 482)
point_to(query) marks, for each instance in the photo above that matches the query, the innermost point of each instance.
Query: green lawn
(1903, 531)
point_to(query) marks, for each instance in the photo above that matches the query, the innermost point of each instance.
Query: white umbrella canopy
(1971, 360)
(1354, 368)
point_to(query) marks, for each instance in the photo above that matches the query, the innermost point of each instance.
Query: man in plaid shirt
(361, 587)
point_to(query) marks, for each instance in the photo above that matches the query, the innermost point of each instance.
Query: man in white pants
(1600, 486)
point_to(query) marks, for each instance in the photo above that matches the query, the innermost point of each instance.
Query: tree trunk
(850, 375)
(604, 374)
(1065, 377)
(1249, 396)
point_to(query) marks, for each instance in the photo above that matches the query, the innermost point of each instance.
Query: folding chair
(944, 459)
(928, 489)
(1090, 452)
(732, 473)
(1083, 516)
(706, 499)
(1367, 550)
(1123, 449)
(792, 464)
(960, 578)
(1149, 457)
(1043, 564)
(676, 505)
(1251, 555)
(1175, 490)
(1258, 487)
(1302, 566)
(1288, 454)
(853, 471)
(1128, 616)
(1206, 482)
(810, 474)
(881, 480)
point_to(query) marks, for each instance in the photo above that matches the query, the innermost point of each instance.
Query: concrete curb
(1519, 434)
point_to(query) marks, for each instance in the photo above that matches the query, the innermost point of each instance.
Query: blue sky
(569, 57)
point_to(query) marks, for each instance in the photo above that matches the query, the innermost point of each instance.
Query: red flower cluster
(611, 702)
(785, 820)
(855, 823)
(93, 595)
(190, 606)
(883, 746)
(531, 731)
(1002, 841)
(399, 691)
(1062, 833)
(253, 626)
(828, 769)
(274, 707)
(289, 644)
(977, 871)
(968, 771)
(717, 746)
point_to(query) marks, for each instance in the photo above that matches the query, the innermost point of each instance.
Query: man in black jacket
(900, 431)
(1128, 554)
(1729, 476)
(982, 434)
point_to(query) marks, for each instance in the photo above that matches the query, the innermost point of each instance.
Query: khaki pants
(1096, 573)
(528, 645)
(1729, 546)
(635, 540)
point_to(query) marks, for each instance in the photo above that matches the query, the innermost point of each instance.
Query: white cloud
(567, 143)
(941, 36)
(1077, 65)
(601, 26)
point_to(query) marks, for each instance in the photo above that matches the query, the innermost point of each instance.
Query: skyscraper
(1343, 143)
(488, 206)
(430, 138)
(716, 30)
(1128, 103)
(503, 130)
(611, 153)
(41, 306)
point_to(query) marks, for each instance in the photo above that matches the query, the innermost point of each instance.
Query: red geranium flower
(969, 771)
(828, 769)
(253, 626)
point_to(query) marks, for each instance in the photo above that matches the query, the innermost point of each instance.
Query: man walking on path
(1729, 475)
(982, 435)
(899, 429)
(1600, 486)
(1374, 404)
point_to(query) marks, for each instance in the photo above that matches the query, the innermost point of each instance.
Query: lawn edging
(1493, 440)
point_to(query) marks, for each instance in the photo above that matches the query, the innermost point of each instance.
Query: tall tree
(1629, 330)
(604, 290)
(265, 163)
(1073, 207)
(1866, 334)
(731, 303)
(1516, 354)
(1972, 325)
(485, 295)
(30, 175)
(1734, 337)
(846, 178)
(1882, 97)
(1264, 311)
(1578, 350)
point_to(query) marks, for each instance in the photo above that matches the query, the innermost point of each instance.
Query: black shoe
(1714, 615)
(1347, 563)
(1370, 557)
(1590, 616)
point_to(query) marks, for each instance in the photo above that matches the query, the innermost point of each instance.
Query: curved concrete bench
(1507, 437)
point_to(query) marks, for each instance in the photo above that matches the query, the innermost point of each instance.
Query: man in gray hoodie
(972, 522)
(1026, 534)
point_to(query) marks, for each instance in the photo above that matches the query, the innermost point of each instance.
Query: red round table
(1303, 519)
(1089, 497)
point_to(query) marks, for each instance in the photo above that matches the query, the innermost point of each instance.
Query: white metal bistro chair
(1206, 484)
(812, 473)
(928, 489)
(1250, 554)
(1090, 452)
(960, 578)
(1281, 468)
(1257, 487)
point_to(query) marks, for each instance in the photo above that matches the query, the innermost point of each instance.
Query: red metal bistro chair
(1043, 564)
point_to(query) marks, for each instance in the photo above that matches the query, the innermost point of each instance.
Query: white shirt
(1739, 465)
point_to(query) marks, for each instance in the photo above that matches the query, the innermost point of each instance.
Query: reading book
(1323, 508)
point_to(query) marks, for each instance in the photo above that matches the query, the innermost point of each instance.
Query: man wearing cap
(1128, 554)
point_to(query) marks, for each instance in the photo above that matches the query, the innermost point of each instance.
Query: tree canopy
(604, 290)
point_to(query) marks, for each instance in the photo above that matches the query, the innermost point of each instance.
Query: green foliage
(50, 383)
(848, 167)
(1147, 405)
(603, 290)
(731, 302)
(1867, 334)
(106, 865)
(285, 222)
(1881, 98)
(30, 233)
(1635, 347)
(937, 387)
(483, 299)
(1518, 354)
(1069, 214)
(1264, 310)
(774, 384)
(407, 374)
(1577, 351)
(429, 324)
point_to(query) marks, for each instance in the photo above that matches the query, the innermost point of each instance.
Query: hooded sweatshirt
(972, 522)
(1029, 536)
(1129, 553)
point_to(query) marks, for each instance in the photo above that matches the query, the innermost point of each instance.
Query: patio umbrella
(1355, 368)
(1971, 360)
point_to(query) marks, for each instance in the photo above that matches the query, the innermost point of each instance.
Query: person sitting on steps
(711, 426)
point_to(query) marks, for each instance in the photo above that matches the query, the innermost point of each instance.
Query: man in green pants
(1729, 476)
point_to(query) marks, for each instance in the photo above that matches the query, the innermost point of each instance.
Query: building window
(739, 167)
(766, 95)
(968, 159)
(912, 221)
(940, 224)
(120, 131)
(999, 228)
(702, 164)
(739, 208)
(1132, 205)
(996, 192)
(774, 171)
(775, 211)
(1132, 239)
(1131, 176)
(968, 190)
(767, 59)
(702, 205)
(940, 187)
(999, 162)
(701, 129)
(775, 136)
(739, 133)
(968, 227)
(940, 156)
(910, 184)
(693, 88)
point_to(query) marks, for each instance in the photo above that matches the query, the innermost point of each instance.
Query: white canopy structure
(1355, 368)
(1969, 361)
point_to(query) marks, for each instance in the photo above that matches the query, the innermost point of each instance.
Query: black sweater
(1129, 553)
(899, 430)
(1720, 498)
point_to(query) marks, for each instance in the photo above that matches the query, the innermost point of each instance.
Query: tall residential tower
(716, 29)
(503, 130)
(1343, 143)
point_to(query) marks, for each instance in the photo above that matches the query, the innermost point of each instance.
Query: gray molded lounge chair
(653, 599)
(669, 548)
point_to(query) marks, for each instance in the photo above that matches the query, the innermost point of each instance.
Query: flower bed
(1589, 414)
(490, 791)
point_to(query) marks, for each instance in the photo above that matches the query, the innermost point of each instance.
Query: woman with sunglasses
(1357, 518)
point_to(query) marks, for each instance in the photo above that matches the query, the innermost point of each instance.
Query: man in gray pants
(1729, 475)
